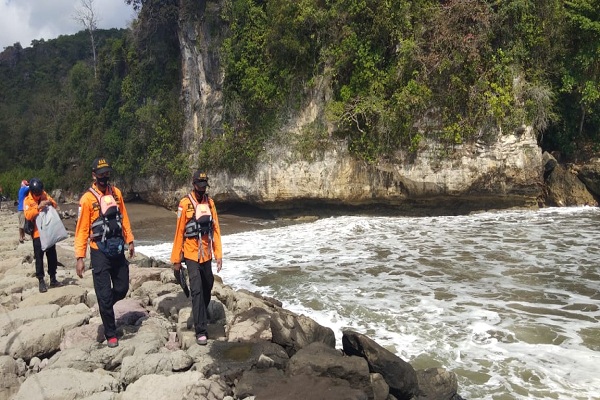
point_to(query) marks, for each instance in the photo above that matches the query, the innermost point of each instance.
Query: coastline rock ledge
(503, 174)
(51, 344)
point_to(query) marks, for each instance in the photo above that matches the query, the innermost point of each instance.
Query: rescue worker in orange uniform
(37, 200)
(197, 241)
(104, 223)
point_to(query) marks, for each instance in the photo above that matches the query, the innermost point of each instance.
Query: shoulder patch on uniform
(179, 211)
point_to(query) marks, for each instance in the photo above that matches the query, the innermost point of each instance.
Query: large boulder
(589, 174)
(65, 384)
(41, 337)
(564, 189)
(69, 294)
(289, 330)
(399, 375)
(437, 384)
(164, 363)
(185, 385)
(11, 320)
(318, 359)
(9, 377)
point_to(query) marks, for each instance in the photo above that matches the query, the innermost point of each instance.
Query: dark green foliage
(58, 116)
(403, 71)
(392, 76)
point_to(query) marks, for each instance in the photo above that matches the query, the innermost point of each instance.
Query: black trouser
(201, 284)
(39, 259)
(111, 283)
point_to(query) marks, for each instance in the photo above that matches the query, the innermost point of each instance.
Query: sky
(26, 20)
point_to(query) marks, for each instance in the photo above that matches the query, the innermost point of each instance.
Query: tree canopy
(400, 73)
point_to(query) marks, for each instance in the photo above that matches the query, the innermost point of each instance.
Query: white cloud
(26, 20)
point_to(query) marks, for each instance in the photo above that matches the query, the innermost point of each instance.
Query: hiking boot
(54, 283)
(43, 287)
(112, 342)
(201, 340)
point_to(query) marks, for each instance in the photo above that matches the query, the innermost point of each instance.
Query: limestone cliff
(506, 172)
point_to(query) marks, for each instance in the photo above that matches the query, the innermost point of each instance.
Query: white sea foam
(505, 299)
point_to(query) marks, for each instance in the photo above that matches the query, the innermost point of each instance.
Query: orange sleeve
(84, 220)
(127, 232)
(51, 200)
(217, 248)
(179, 231)
(30, 210)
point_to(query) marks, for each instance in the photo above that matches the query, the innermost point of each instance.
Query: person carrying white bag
(51, 227)
(34, 205)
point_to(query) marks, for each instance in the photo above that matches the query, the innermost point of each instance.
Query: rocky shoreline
(51, 344)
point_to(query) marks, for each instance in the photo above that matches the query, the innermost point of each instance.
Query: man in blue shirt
(23, 191)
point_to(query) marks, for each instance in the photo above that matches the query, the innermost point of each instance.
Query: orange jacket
(189, 246)
(89, 211)
(30, 209)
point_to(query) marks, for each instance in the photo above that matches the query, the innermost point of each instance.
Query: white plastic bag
(50, 227)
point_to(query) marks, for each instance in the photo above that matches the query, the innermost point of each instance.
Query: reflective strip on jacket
(30, 209)
(189, 246)
(89, 211)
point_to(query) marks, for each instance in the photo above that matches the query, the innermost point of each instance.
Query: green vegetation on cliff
(395, 73)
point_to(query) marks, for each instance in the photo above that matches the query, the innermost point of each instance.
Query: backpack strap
(194, 202)
(210, 235)
(91, 189)
(98, 197)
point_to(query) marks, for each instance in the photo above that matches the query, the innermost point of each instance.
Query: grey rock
(185, 385)
(399, 375)
(436, 383)
(65, 383)
(136, 366)
(318, 359)
(40, 337)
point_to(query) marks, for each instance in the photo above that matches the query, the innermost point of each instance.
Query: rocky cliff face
(507, 172)
(202, 75)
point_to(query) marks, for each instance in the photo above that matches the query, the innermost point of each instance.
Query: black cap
(200, 179)
(101, 165)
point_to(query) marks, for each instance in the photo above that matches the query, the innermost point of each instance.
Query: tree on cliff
(86, 15)
(392, 76)
(582, 75)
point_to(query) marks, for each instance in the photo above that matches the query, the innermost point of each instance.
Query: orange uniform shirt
(30, 209)
(189, 246)
(89, 211)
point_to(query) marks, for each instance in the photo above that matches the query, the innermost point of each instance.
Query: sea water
(509, 301)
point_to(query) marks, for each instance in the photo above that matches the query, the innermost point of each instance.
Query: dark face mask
(103, 181)
(199, 191)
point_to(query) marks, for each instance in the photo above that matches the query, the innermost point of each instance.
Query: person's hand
(131, 250)
(219, 264)
(80, 267)
(177, 266)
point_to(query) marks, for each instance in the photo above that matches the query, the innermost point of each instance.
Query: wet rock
(399, 375)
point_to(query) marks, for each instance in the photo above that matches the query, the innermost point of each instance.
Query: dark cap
(200, 178)
(101, 165)
(36, 186)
